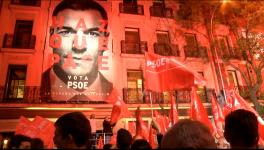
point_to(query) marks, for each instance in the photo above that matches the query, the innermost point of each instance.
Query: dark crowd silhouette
(73, 131)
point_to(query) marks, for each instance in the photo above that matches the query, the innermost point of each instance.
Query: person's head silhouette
(73, 130)
(241, 129)
(188, 133)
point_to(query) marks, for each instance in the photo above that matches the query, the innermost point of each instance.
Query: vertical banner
(77, 59)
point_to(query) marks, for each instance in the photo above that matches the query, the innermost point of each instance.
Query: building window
(22, 34)
(163, 37)
(223, 45)
(131, 7)
(191, 47)
(15, 86)
(158, 9)
(22, 37)
(184, 12)
(232, 80)
(134, 86)
(132, 43)
(26, 2)
(201, 90)
(162, 47)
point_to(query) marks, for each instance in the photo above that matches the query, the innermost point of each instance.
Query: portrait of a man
(77, 38)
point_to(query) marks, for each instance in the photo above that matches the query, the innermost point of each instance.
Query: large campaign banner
(77, 59)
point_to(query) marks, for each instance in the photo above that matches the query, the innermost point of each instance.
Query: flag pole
(150, 98)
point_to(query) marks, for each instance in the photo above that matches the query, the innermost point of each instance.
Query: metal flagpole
(150, 98)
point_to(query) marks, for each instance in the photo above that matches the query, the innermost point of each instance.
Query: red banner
(165, 73)
(198, 112)
(218, 115)
(141, 128)
(239, 103)
(38, 128)
(173, 112)
(161, 122)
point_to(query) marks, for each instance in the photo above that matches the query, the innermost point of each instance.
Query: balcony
(133, 96)
(196, 52)
(26, 2)
(28, 43)
(233, 54)
(31, 95)
(159, 11)
(131, 8)
(133, 47)
(166, 49)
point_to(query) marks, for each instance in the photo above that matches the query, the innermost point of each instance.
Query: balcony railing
(131, 8)
(166, 49)
(9, 42)
(233, 54)
(133, 47)
(133, 96)
(182, 96)
(159, 11)
(26, 2)
(32, 94)
(197, 52)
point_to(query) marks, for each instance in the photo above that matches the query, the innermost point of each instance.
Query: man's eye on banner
(78, 55)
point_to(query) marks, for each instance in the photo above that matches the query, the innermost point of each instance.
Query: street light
(214, 47)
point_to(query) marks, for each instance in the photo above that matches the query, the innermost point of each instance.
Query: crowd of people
(73, 131)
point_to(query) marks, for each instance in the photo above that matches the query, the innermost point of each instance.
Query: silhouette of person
(93, 123)
(140, 144)
(241, 129)
(72, 131)
(123, 139)
(37, 143)
(20, 142)
(188, 134)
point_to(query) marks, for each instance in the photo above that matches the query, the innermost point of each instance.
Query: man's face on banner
(79, 41)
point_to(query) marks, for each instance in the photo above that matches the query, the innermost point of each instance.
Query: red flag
(165, 73)
(22, 125)
(198, 112)
(113, 139)
(161, 122)
(151, 138)
(116, 111)
(173, 112)
(218, 115)
(38, 128)
(167, 122)
(228, 106)
(141, 129)
(132, 128)
(45, 130)
(100, 143)
(239, 103)
(119, 107)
